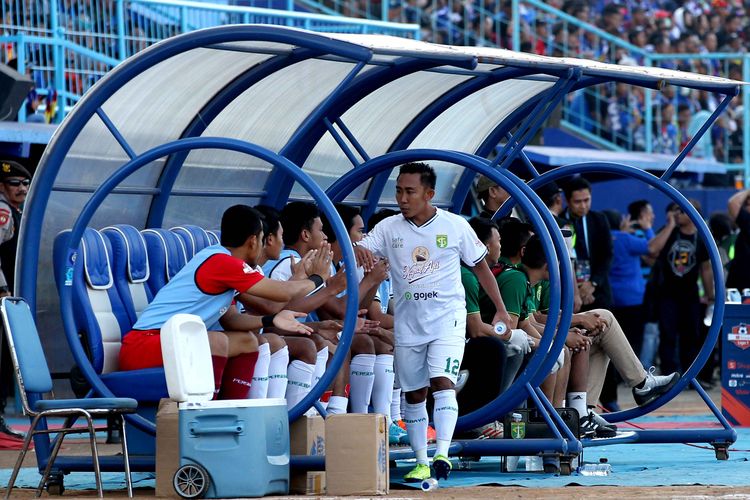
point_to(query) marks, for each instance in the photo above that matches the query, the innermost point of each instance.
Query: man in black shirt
(675, 278)
(739, 268)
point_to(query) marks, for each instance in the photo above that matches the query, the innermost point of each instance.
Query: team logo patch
(420, 254)
(4, 216)
(441, 240)
(739, 336)
(518, 430)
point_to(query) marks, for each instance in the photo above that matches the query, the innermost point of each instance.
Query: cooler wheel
(191, 481)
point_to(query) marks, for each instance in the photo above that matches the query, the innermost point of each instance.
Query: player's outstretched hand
(365, 258)
(287, 320)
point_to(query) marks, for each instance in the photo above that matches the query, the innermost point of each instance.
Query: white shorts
(416, 365)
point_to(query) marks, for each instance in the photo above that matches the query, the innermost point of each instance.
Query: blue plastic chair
(33, 378)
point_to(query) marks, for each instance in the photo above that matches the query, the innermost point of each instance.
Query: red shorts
(141, 349)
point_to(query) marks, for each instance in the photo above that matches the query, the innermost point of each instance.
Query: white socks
(337, 405)
(577, 400)
(259, 385)
(277, 373)
(361, 380)
(396, 405)
(321, 360)
(382, 389)
(415, 417)
(445, 415)
(300, 379)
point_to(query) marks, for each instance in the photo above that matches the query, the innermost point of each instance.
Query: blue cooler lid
(232, 403)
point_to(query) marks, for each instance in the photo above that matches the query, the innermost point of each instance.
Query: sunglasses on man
(17, 182)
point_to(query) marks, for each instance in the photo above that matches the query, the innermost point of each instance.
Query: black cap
(12, 169)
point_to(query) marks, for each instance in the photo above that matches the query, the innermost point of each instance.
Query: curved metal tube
(66, 299)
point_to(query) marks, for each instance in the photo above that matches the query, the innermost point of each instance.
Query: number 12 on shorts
(451, 366)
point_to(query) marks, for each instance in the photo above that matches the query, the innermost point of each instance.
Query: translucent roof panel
(221, 171)
(376, 121)
(158, 104)
(269, 112)
(203, 211)
(467, 123)
(445, 185)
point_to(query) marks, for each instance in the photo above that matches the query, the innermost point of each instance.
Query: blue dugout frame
(551, 344)
(65, 291)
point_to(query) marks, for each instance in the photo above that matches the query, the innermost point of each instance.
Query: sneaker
(7, 430)
(395, 433)
(418, 474)
(442, 466)
(600, 427)
(431, 434)
(654, 386)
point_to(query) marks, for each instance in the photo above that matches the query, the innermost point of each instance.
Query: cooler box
(243, 445)
(229, 448)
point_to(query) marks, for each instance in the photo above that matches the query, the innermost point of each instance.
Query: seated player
(206, 287)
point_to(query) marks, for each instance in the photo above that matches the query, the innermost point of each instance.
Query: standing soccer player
(425, 246)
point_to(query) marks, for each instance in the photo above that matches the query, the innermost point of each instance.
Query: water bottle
(429, 484)
(595, 469)
(511, 463)
(733, 296)
(500, 328)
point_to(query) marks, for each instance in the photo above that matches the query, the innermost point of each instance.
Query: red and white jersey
(426, 273)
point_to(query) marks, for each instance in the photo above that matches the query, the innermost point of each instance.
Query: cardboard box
(357, 455)
(307, 437)
(314, 483)
(167, 447)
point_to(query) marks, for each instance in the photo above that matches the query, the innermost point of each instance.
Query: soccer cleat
(442, 466)
(401, 424)
(395, 434)
(654, 386)
(431, 434)
(596, 425)
(418, 474)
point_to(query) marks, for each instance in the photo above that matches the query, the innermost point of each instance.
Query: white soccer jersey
(426, 272)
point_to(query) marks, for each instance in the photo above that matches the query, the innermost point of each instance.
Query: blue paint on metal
(57, 150)
(341, 142)
(123, 172)
(553, 243)
(704, 234)
(694, 140)
(303, 142)
(116, 133)
(208, 114)
(349, 135)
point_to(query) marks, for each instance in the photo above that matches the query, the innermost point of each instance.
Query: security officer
(14, 186)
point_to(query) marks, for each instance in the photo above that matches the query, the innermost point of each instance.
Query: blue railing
(67, 45)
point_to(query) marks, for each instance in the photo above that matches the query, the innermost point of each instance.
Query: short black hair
(426, 173)
(636, 208)
(513, 234)
(576, 184)
(238, 223)
(483, 227)
(297, 216)
(378, 216)
(548, 192)
(613, 218)
(533, 257)
(720, 225)
(271, 220)
(347, 214)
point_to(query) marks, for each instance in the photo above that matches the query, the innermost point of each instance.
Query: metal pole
(120, 15)
(516, 26)
(648, 120)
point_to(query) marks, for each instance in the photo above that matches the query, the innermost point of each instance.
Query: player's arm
(307, 303)
(284, 291)
(736, 202)
(488, 283)
(234, 321)
(707, 275)
(374, 312)
(476, 328)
